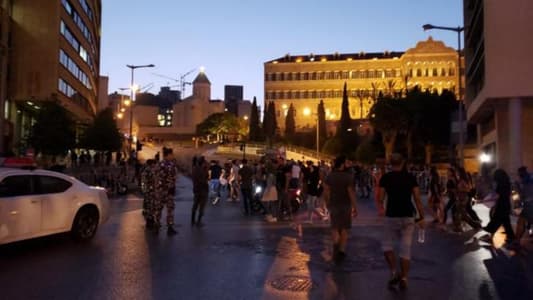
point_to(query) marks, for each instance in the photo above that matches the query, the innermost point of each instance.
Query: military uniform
(166, 174)
(148, 179)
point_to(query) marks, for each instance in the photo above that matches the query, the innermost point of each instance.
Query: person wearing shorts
(398, 226)
(339, 193)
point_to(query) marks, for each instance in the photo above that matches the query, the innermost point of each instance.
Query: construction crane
(181, 81)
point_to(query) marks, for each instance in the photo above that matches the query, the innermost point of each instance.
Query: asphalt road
(234, 257)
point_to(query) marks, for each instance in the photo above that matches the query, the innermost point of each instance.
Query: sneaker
(393, 281)
(403, 284)
(171, 231)
(215, 202)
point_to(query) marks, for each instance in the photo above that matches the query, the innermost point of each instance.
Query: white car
(36, 203)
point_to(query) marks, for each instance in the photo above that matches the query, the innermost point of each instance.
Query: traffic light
(138, 146)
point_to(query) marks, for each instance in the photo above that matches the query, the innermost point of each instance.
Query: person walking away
(464, 189)
(246, 175)
(500, 213)
(200, 182)
(312, 183)
(339, 194)
(166, 190)
(270, 196)
(398, 187)
(435, 195)
(215, 170)
(525, 190)
(234, 182)
(148, 189)
(451, 192)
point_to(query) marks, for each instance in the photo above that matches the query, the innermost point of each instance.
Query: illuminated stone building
(54, 54)
(303, 80)
(181, 118)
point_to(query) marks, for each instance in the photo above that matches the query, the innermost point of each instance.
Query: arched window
(451, 72)
(443, 72)
(435, 72)
(418, 73)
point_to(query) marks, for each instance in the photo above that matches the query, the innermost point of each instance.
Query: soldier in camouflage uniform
(148, 190)
(165, 190)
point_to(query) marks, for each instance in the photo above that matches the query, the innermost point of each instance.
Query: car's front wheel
(85, 223)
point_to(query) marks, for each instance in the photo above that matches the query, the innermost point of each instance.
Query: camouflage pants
(161, 201)
(148, 206)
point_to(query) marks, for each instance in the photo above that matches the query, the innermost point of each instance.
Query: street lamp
(457, 29)
(133, 90)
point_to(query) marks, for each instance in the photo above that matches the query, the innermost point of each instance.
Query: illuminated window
(418, 73)
(313, 94)
(305, 76)
(451, 72)
(443, 72)
(355, 74)
(338, 93)
(305, 95)
(289, 76)
(297, 95)
(371, 74)
(329, 94)
(322, 94)
(296, 76)
(363, 74)
(337, 75)
(345, 75)
(435, 72)
(320, 75)
(379, 74)
(313, 76)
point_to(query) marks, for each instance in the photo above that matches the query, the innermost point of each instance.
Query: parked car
(36, 203)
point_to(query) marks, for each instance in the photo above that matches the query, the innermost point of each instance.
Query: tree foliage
(53, 132)
(269, 122)
(366, 153)
(254, 127)
(345, 122)
(290, 123)
(322, 130)
(333, 146)
(103, 133)
(389, 116)
(222, 124)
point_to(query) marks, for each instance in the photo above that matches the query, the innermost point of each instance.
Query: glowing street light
(485, 158)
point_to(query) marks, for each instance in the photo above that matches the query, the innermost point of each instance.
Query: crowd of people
(287, 190)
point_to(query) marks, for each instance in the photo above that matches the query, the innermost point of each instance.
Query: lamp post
(458, 30)
(133, 90)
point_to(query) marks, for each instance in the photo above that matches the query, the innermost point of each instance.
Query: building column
(515, 135)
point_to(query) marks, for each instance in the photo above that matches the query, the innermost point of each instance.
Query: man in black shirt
(214, 179)
(399, 221)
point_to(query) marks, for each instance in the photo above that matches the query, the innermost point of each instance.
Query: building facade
(499, 79)
(304, 80)
(233, 96)
(54, 56)
(179, 120)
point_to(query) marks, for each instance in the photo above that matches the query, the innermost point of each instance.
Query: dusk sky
(232, 39)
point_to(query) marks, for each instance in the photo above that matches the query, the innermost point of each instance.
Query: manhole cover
(292, 284)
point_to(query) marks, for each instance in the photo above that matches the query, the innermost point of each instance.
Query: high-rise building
(233, 94)
(499, 79)
(54, 56)
(304, 80)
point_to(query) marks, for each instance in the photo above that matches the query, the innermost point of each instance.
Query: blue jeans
(214, 187)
